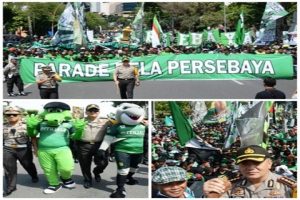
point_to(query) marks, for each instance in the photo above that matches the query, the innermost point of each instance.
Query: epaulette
(287, 181)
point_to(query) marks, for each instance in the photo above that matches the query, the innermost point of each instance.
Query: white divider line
(28, 85)
(238, 82)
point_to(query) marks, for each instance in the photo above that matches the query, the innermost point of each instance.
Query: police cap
(12, 110)
(125, 59)
(90, 106)
(252, 152)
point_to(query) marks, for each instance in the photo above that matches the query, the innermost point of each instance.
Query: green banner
(169, 66)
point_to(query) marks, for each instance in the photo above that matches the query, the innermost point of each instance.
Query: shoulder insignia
(287, 181)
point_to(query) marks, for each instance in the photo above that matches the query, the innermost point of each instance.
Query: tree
(94, 20)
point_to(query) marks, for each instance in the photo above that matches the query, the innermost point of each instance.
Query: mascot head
(130, 114)
(55, 113)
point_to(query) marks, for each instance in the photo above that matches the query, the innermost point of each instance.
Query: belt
(15, 146)
(126, 79)
(90, 142)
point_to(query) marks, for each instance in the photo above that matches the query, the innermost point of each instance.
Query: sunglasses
(93, 110)
(8, 115)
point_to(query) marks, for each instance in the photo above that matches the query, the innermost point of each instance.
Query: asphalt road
(162, 89)
(27, 189)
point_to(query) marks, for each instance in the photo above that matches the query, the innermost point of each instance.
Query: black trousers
(126, 160)
(49, 93)
(86, 153)
(126, 88)
(15, 80)
(10, 157)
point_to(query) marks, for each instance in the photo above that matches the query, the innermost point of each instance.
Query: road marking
(238, 82)
(28, 85)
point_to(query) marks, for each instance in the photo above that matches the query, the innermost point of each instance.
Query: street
(27, 189)
(163, 89)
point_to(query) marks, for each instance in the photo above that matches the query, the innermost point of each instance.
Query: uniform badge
(249, 151)
(275, 194)
(238, 192)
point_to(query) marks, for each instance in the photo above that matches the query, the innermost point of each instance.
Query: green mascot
(128, 137)
(54, 128)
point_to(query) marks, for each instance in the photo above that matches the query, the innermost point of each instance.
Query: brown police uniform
(127, 79)
(16, 146)
(270, 188)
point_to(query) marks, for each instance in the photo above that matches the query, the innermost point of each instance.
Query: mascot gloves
(79, 125)
(32, 122)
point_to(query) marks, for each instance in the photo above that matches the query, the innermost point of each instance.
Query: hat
(60, 105)
(12, 110)
(46, 67)
(252, 152)
(90, 106)
(169, 174)
(125, 59)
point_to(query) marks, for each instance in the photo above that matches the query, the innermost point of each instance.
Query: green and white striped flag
(71, 26)
(240, 31)
(137, 26)
(267, 32)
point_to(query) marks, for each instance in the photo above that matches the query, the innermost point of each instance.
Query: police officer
(47, 83)
(12, 74)
(16, 146)
(126, 77)
(89, 144)
(257, 180)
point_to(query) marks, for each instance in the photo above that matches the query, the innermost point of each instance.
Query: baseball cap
(169, 174)
(90, 106)
(125, 59)
(252, 152)
(12, 110)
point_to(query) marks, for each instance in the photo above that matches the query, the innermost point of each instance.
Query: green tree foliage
(162, 108)
(95, 20)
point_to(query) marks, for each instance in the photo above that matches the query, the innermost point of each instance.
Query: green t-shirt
(133, 137)
(54, 137)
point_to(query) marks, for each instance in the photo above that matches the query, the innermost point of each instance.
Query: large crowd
(40, 47)
(167, 151)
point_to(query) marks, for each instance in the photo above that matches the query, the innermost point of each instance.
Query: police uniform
(272, 187)
(11, 72)
(16, 146)
(48, 89)
(127, 77)
(88, 147)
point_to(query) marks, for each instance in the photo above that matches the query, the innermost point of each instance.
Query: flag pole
(225, 21)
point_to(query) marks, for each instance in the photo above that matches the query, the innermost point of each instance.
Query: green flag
(240, 31)
(183, 127)
(137, 25)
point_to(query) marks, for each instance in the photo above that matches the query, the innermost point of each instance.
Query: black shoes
(97, 177)
(5, 194)
(87, 184)
(118, 194)
(35, 179)
(131, 181)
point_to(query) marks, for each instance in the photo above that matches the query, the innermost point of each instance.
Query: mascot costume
(128, 137)
(54, 128)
